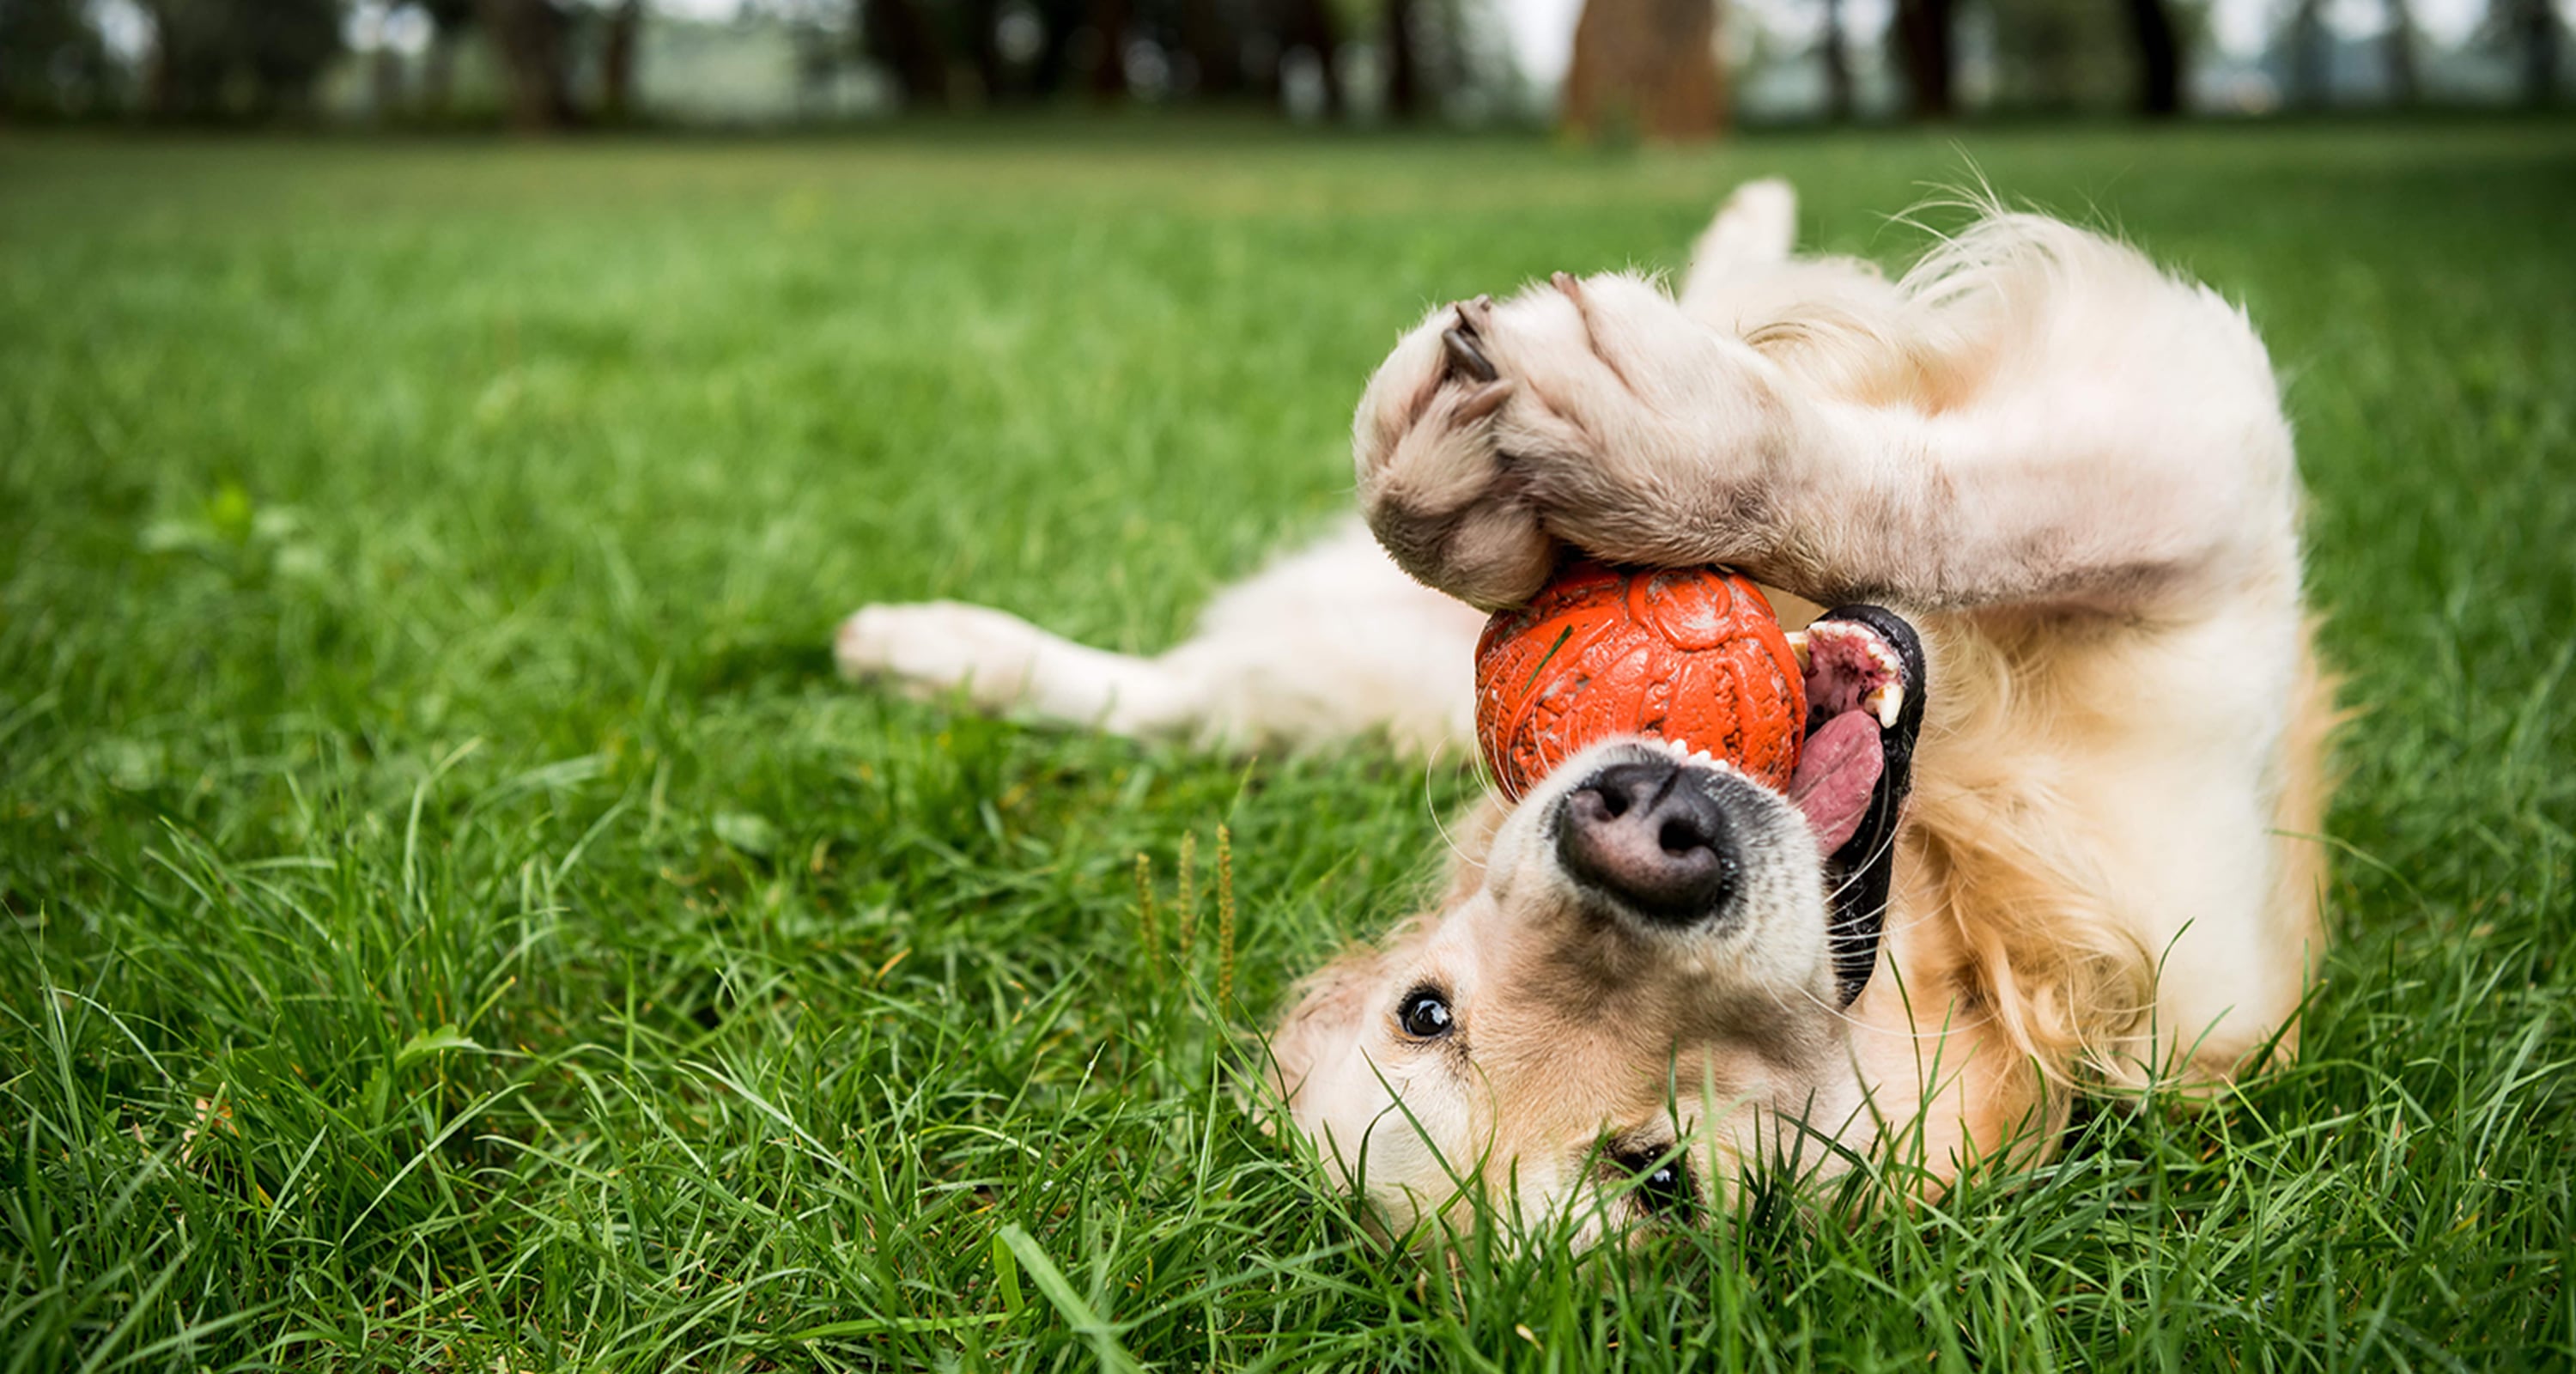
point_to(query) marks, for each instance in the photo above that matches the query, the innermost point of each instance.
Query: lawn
(455, 920)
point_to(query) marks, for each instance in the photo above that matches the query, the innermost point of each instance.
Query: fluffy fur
(2069, 469)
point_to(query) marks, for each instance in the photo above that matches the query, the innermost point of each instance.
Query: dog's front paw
(1591, 412)
(1436, 484)
(929, 649)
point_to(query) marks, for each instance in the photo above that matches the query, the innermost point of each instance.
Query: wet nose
(1649, 834)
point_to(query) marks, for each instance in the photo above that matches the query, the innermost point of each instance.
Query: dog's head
(1639, 985)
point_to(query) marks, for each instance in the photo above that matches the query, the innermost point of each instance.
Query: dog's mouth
(1865, 698)
(1856, 692)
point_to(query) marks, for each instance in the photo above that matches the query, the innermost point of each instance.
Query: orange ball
(1692, 654)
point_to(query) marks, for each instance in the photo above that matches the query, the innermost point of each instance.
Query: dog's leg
(1327, 643)
(2077, 431)
(1752, 235)
(1002, 662)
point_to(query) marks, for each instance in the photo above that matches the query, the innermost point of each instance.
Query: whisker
(1431, 808)
(1886, 846)
(1843, 1014)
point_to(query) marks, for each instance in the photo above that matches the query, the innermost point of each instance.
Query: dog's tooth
(1798, 649)
(1887, 701)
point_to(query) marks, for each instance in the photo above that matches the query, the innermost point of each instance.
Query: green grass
(456, 921)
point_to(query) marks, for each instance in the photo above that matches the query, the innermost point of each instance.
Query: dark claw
(1481, 402)
(1464, 356)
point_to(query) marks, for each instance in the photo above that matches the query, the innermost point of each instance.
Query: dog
(2034, 506)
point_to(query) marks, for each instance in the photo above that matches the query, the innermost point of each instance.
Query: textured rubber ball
(1693, 655)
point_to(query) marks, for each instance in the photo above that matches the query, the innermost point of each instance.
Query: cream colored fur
(2068, 469)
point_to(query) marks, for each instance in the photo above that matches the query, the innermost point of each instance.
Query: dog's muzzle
(1653, 836)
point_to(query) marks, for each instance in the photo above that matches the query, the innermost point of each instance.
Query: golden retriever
(2049, 491)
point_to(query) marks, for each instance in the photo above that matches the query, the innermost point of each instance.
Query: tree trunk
(1923, 34)
(1109, 19)
(2151, 26)
(1310, 24)
(983, 19)
(1058, 20)
(617, 62)
(2397, 48)
(1403, 62)
(2535, 29)
(1649, 66)
(1839, 103)
(1213, 44)
(438, 76)
(2310, 82)
(1259, 43)
(897, 34)
(160, 70)
(528, 45)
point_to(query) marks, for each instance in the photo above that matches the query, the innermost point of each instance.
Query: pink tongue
(1836, 771)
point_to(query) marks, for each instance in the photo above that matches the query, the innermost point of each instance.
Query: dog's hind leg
(1001, 662)
(1745, 281)
(1752, 234)
(1327, 643)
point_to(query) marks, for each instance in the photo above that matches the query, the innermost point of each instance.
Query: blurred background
(1609, 69)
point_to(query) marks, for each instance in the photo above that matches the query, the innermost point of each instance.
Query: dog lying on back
(2063, 483)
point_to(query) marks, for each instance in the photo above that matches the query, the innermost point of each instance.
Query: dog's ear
(1333, 1003)
(1323, 1007)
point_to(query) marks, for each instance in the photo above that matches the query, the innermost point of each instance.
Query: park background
(1610, 68)
(453, 918)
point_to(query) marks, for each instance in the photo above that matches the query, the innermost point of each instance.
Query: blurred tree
(1213, 40)
(236, 58)
(1648, 67)
(985, 77)
(1837, 58)
(2160, 57)
(2311, 53)
(901, 36)
(942, 54)
(51, 59)
(1056, 21)
(1311, 25)
(384, 82)
(1109, 19)
(2054, 55)
(2059, 56)
(1404, 93)
(1929, 52)
(531, 43)
(618, 41)
(2533, 26)
(2397, 47)
(448, 20)
(1466, 56)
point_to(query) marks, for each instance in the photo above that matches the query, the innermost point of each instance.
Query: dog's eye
(1424, 1013)
(1663, 1186)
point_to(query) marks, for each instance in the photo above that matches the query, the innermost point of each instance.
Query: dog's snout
(1653, 836)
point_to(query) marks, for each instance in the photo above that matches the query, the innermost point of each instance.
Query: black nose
(1650, 835)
